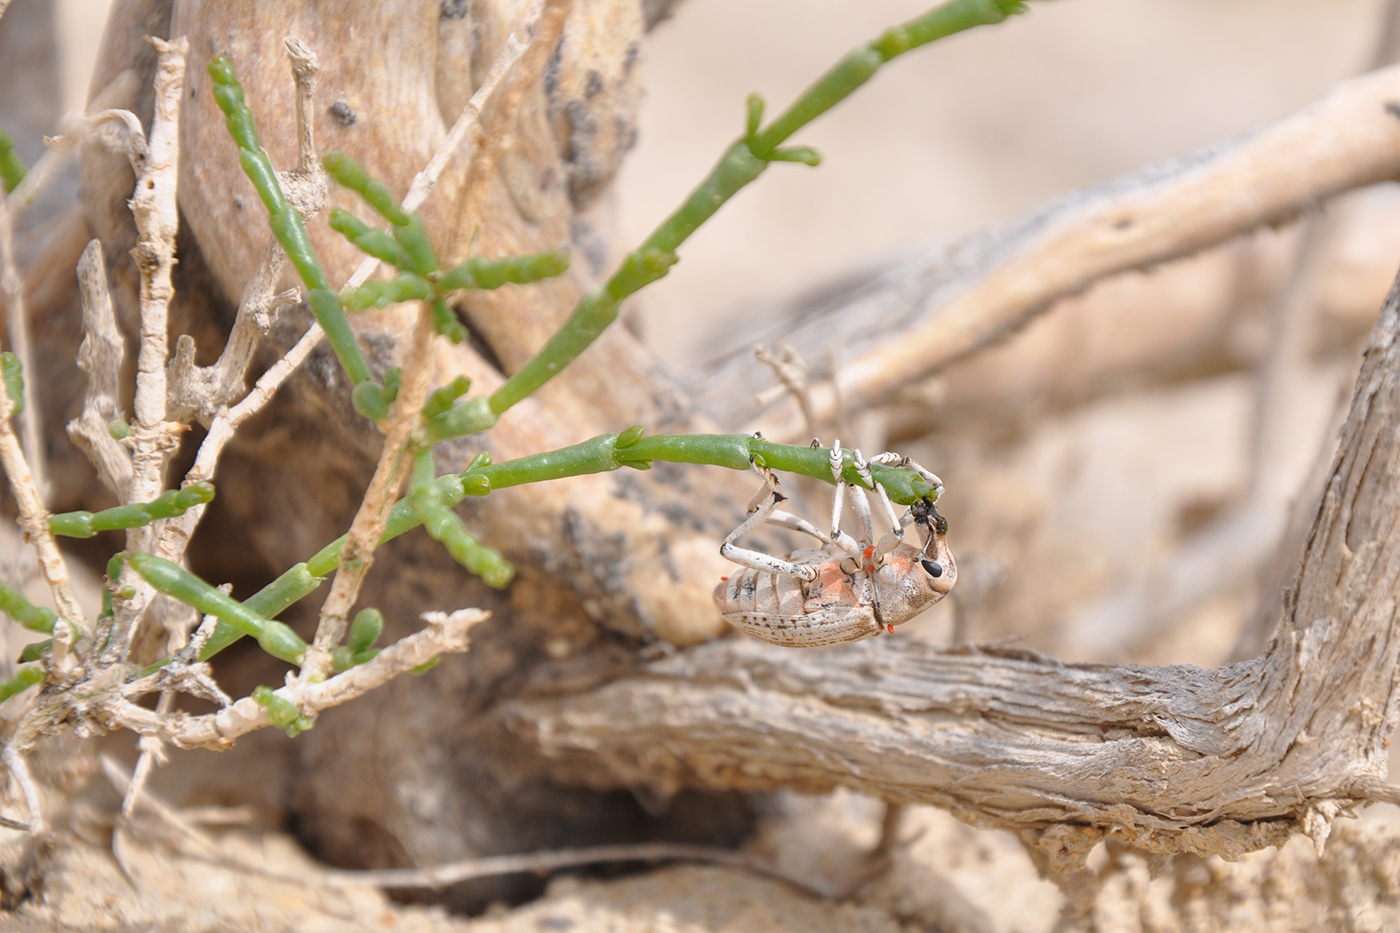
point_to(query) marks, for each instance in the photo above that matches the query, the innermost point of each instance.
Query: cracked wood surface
(1169, 759)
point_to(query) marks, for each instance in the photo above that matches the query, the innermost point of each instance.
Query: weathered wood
(1168, 759)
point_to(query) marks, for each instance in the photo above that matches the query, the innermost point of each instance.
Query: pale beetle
(845, 590)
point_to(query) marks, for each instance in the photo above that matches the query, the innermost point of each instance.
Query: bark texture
(1167, 759)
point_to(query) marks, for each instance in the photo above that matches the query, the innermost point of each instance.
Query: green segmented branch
(600, 454)
(741, 164)
(443, 525)
(376, 243)
(286, 223)
(35, 618)
(12, 170)
(405, 246)
(24, 678)
(406, 227)
(173, 580)
(169, 504)
(479, 273)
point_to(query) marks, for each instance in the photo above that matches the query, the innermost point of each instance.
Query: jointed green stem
(744, 161)
(600, 454)
(24, 678)
(173, 580)
(285, 221)
(170, 504)
(35, 618)
(443, 525)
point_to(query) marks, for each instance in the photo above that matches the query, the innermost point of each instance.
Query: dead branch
(100, 358)
(913, 319)
(446, 633)
(1168, 759)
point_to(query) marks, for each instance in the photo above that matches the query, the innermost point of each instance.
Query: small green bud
(630, 436)
(12, 374)
(368, 401)
(365, 630)
(119, 429)
(35, 650)
(754, 120)
(442, 399)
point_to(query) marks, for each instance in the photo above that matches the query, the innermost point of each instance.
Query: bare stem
(446, 633)
(34, 522)
(13, 289)
(100, 358)
(157, 220)
(358, 553)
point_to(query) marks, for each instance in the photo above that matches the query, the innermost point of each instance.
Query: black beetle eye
(933, 568)
(942, 525)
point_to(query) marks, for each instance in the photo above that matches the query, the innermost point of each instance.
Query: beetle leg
(842, 540)
(757, 560)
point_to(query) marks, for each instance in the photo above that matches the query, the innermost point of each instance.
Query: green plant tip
(369, 402)
(442, 398)
(35, 650)
(24, 678)
(119, 429)
(12, 170)
(365, 630)
(12, 375)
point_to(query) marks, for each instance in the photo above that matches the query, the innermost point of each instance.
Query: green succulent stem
(24, 678)
(285, 221)
(170, 504)
(740, 165)
(173, 580)
(600, 454)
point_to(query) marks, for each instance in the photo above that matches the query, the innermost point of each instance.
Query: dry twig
(445, 634)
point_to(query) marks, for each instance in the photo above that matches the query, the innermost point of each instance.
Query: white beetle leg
(842, 540)
(839, 500)
(796, 523)
(885, 459)
(757, 560)
(862, 502)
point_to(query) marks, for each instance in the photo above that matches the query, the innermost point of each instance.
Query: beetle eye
(933, 568)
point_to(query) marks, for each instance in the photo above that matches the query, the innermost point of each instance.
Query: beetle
(844, 590)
